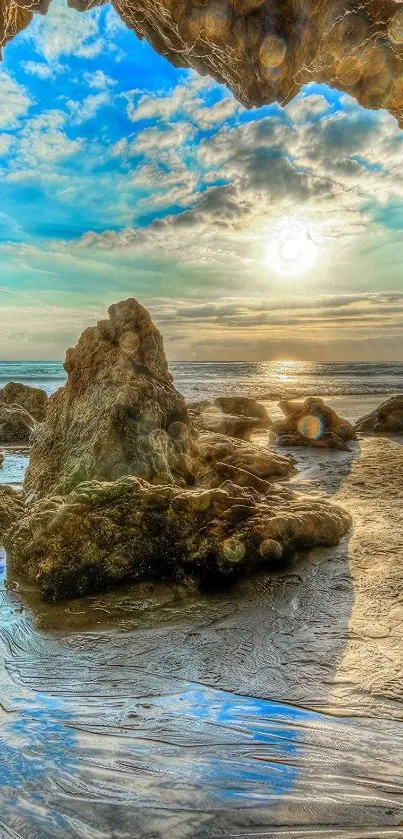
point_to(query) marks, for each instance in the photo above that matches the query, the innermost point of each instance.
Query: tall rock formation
(118, 413)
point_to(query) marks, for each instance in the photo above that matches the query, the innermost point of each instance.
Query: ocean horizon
(268, 380)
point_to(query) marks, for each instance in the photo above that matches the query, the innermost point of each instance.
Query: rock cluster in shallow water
(104, 534)
(168, 502)
(265, 50)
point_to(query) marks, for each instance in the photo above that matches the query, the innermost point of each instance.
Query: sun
(293, 246)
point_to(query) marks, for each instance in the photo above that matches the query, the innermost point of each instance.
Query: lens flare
(311, 427)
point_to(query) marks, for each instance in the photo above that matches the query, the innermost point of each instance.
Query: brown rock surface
(118, 413)
(244, 406)
(32, 399)
(208, 417)
(388, 418)
(217, 452)
(265, 50)
(11, 508)
(16, 425)
(312, 423)
(104, 534)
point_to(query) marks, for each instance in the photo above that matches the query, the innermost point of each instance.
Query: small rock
(388, 418)
(312, 423)
(32, 399)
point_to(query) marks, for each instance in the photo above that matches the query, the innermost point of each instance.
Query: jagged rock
(11, 508)
(118, 413)
(13, 19)
(244, 406)
(387, 418)
(208, 417)
(16, 425)
(312, 423)
(104, 534)
(1, 459)
(265, 50)
(216, 452)
(32, 399)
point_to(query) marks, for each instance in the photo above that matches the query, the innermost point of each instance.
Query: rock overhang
(265, 50)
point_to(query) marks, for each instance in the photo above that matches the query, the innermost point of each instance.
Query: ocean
(268, 380)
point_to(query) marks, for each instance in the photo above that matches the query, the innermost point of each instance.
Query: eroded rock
(312, 423)
(265, 50)
(388, 418)
(217, 452)
(208, 417)
(118, 413)
(11, 508)
(104, 534)
(244, 406)
(16, 425)
(32, 399)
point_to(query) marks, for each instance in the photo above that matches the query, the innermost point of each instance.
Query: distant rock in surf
(387, 418)
(210, 418)
(16, 425)
(32, 399)
(237, 416)
(312, 423)
(244, 406)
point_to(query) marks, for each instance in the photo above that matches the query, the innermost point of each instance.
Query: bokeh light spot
(311, 427)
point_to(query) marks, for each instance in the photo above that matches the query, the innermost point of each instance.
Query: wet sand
(273, 710)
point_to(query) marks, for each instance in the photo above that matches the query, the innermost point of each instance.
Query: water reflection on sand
(98, 740)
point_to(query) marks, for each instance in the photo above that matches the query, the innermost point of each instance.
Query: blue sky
(274, 233)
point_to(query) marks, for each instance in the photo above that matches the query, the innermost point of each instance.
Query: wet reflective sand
(273, 710)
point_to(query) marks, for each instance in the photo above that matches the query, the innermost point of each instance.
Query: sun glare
(293, 246)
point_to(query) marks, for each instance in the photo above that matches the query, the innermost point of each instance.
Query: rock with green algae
(105, 534)
(11, 508)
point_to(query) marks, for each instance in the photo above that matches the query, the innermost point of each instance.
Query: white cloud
(64, 33)
(38, 68)
(85, 109)
(98, 80)
(186, 101)
(14, 101)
